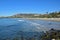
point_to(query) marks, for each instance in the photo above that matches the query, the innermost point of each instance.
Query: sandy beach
(51, 19)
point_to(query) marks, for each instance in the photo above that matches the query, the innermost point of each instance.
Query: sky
(12, 7)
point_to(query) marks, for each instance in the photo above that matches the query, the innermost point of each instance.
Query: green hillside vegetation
(31, 15)
(47, 15)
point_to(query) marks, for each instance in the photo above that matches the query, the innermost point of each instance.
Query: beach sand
(51, 19)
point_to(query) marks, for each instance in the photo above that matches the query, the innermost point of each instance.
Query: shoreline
(50, 19)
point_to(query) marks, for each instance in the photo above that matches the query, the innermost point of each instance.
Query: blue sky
(11, 7)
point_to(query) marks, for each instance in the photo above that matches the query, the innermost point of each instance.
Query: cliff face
(26, 16)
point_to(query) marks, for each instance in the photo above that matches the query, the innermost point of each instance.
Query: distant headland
(36, 15)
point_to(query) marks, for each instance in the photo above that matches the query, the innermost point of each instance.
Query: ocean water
(11, 28)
